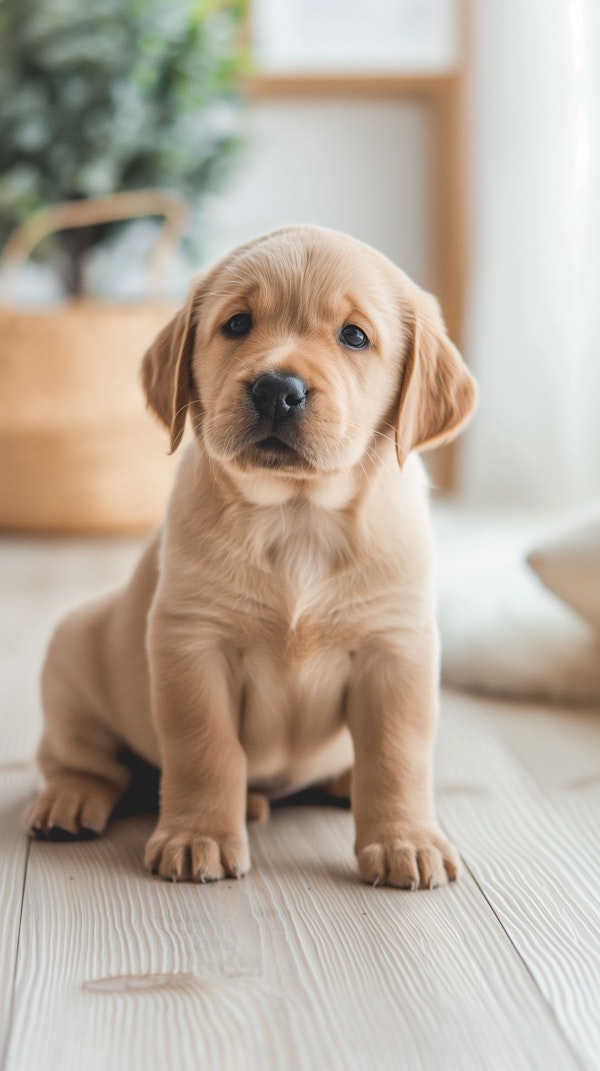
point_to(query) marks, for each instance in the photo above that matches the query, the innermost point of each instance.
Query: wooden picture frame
(443, 94)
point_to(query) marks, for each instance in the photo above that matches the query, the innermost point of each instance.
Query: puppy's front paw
(183, 854)
(412, 862)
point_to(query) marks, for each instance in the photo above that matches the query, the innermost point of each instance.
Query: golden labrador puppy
(279, 630)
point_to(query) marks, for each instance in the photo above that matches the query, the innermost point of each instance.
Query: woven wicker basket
(78, 450)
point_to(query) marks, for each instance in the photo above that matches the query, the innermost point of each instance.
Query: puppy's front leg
(392, 715)
(201, 833)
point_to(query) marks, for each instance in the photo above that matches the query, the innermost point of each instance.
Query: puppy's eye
(238, 326)
(352, 336)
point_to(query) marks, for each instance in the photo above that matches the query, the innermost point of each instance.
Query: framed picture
(360, 37)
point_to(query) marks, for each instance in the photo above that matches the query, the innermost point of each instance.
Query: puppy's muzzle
(278, 396)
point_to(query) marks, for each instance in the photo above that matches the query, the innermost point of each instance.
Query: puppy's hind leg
(84, 780)
(257, 808)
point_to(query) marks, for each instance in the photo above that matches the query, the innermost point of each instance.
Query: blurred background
(141, 139)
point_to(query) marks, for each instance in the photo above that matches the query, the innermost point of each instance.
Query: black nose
(278, 395)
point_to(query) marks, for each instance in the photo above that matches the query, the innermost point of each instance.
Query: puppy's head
(301, 351)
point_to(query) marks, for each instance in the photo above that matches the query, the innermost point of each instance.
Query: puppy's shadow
(142, 795)
(312, 797)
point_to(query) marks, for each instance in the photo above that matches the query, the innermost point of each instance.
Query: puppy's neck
(305, 530)
(331, 491)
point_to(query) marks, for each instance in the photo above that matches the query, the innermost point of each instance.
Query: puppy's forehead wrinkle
(299, 285)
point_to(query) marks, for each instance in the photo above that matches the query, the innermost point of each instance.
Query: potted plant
(98, 100)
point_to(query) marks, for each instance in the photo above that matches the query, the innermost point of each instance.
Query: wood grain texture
(535, 854)
(297, 966)
(16, 786)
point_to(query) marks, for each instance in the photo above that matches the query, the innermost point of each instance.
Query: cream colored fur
(279, 630)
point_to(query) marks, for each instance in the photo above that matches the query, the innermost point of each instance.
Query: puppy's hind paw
(71, 809)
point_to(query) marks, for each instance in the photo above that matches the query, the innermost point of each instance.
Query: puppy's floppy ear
(438, 394)
(167, 369)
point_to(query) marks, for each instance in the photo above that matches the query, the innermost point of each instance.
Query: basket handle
(127, 205)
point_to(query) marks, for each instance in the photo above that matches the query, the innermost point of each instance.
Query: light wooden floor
(298, 965)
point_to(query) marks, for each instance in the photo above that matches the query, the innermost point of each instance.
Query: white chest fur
(292, 725)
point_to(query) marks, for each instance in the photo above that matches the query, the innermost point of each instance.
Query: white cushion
(570, 567)
(503, 632)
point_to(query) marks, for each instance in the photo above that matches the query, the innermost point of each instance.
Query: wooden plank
(559, 748)
(281, 86)
(297, 966)
(450, 240)
(16, 786)
(535, 854)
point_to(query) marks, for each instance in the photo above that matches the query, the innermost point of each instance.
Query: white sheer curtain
(533, 318)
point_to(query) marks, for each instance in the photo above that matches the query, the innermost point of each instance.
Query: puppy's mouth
(275, 453)
(274, 445)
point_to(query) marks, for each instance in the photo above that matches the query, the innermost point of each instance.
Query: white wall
(533, 313)
(357, 166)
